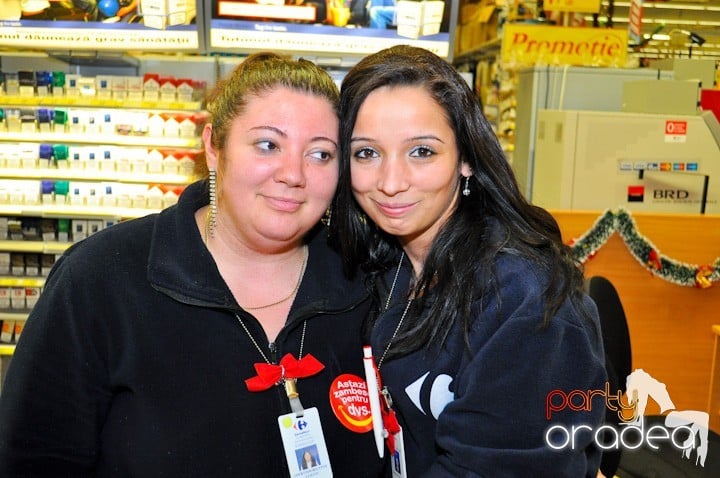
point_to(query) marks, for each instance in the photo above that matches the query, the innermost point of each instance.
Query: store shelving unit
(489, 49)
(182, 57)
(118, 140)
(495, 85)
(78, 172)
(97, 175)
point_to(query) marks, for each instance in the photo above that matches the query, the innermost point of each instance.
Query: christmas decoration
(620, 221)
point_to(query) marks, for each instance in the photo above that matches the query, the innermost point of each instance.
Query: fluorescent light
(658, 37)
(665, 21)
(671, 6)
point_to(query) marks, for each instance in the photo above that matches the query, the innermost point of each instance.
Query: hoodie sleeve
(496, 425)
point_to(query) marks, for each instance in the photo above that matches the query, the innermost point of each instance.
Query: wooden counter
(670, 325)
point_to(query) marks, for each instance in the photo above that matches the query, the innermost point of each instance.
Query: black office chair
(666, 462)
(618, 354)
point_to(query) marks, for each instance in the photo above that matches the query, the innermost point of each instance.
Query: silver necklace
(303, 265)
(289, 383)
(252, 339)
(402, 317)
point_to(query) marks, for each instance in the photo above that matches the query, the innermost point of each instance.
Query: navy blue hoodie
(481, 411)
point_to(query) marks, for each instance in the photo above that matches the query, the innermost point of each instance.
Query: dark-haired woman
(481, 326)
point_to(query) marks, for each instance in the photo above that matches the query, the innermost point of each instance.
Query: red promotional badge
(676, 131)
(350, 403)
(676, 127)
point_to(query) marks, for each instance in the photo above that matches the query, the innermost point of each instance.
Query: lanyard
(285, 373)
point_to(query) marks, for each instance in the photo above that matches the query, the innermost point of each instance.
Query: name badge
(304, 444)
(397, 460)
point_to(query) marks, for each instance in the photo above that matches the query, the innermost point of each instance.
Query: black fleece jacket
(133, 362)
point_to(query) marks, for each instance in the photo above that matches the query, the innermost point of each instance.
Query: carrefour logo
(300, 425)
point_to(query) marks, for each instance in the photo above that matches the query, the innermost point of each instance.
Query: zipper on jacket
(273, 352)
(281, 391)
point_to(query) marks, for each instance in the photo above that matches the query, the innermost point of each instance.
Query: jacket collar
(180, 265)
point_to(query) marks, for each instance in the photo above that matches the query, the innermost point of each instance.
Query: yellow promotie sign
(585, 6)
(525, 44)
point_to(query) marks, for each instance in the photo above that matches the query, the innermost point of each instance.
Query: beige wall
(670, 325)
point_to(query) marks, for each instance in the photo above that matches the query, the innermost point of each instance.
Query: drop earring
(466, 189)
(211, 219)
(327, 217)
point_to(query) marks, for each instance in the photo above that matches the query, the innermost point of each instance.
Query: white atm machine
(593, 160)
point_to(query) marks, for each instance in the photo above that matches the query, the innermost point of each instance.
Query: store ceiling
(672, 21)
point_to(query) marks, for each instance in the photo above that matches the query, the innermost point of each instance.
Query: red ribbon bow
(269, 374)
(390, 422)
(389, 419)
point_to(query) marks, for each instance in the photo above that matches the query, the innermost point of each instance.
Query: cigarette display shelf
(166, 128)
(96, 145)
(22, 281)
(6, 351)
(99, 139)
(94, 175)
(12, 320)
(59, 211)
(110, 121)
(38, 247)
(95, 102)
(16, 318)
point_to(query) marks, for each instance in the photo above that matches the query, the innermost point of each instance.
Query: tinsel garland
(644, 251)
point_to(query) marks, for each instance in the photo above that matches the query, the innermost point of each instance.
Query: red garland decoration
(620, 221)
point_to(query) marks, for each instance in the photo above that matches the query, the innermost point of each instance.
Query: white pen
(374, 395)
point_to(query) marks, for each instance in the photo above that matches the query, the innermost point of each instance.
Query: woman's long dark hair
(495, 218)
